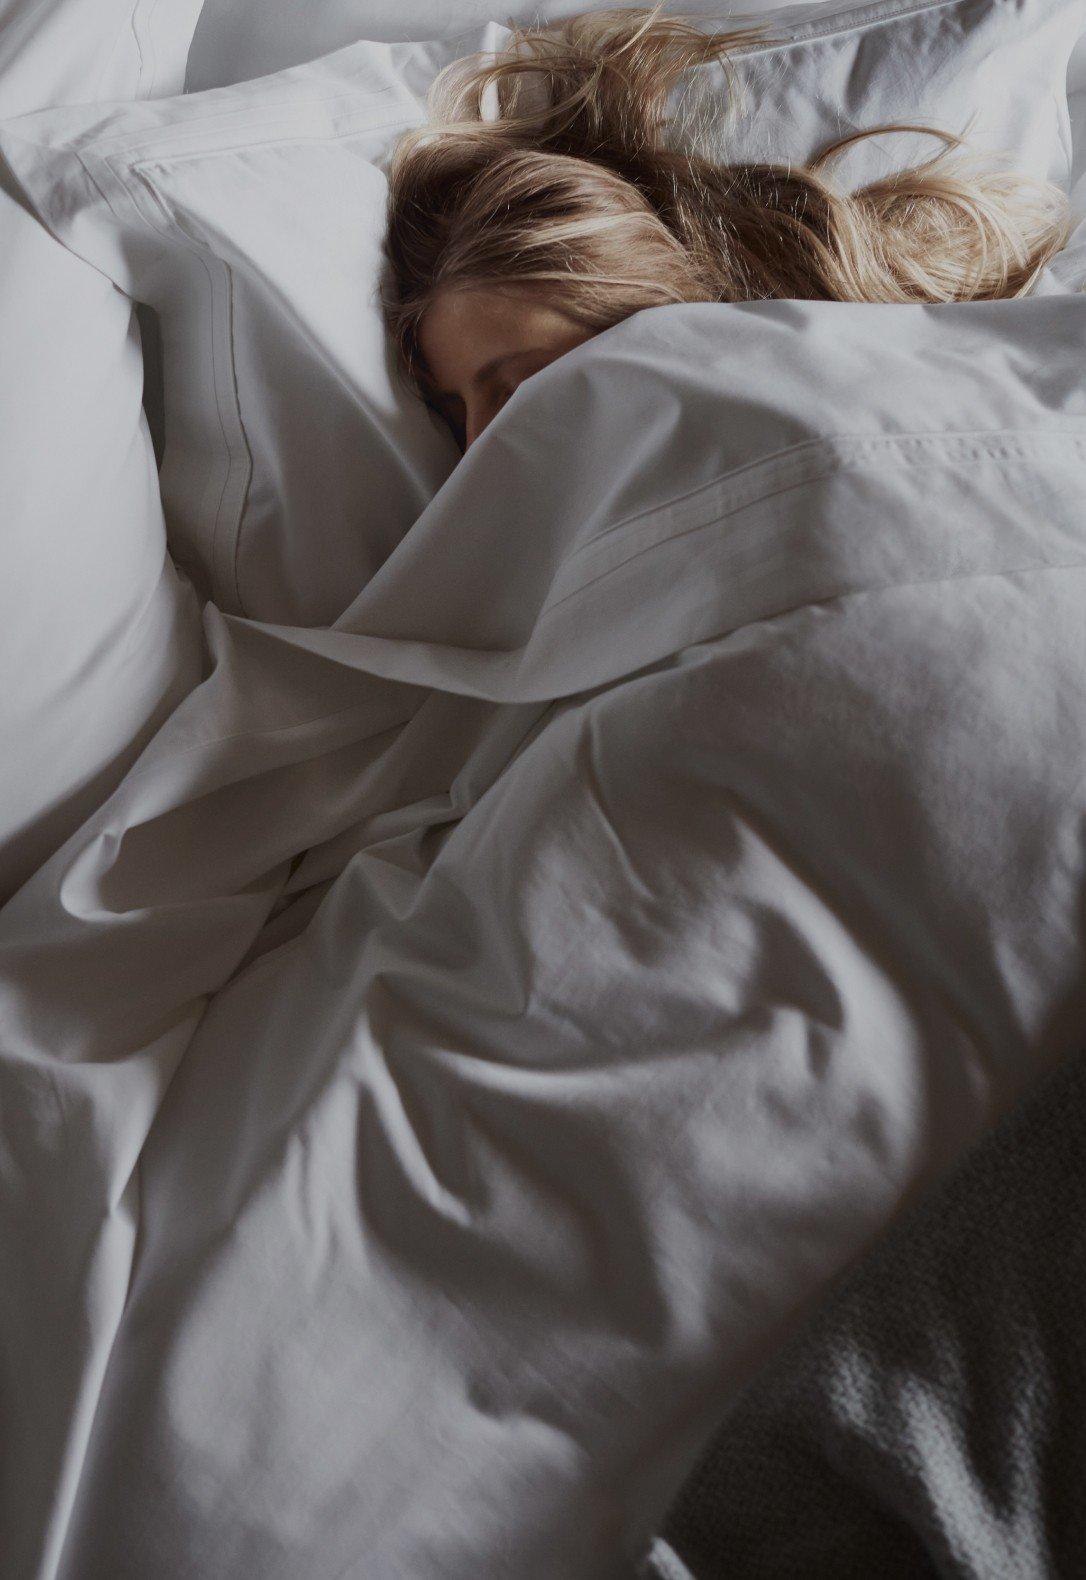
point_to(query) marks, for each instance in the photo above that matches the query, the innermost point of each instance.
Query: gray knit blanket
(931, 1421)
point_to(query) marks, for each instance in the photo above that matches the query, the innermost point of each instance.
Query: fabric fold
(693, 814)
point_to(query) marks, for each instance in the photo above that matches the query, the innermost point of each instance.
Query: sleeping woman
(550, 198)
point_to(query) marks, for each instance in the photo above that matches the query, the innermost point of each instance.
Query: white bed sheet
(695, 869)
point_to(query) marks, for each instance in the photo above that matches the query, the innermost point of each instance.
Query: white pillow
(250, 218)
(99, 637)
(79, 51)
(238, 39)
(992, 70)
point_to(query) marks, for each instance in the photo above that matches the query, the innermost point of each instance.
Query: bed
(491, 949)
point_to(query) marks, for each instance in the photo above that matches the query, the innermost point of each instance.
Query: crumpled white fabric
(666, 867)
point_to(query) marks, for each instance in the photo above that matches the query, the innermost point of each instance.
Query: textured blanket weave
(930, 1422)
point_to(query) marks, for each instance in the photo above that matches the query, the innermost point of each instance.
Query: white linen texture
(99, 636)
(694, 869)
(81, 51)
(250, 218)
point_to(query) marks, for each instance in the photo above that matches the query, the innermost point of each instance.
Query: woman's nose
(475, 420)
(479, 412)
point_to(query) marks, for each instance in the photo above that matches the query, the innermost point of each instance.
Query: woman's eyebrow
(488, 369)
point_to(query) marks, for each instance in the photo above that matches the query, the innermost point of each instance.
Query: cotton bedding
(240, 39)
(471, 1037)
(76, 51)
(100, 637)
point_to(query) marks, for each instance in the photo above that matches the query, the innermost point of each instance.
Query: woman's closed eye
(494, 395)
(478, 348)
(453, 408)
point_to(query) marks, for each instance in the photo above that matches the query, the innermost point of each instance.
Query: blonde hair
(556, 168)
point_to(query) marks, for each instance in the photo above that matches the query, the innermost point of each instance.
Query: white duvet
(693, 814)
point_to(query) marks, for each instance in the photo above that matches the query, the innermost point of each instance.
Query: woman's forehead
(465, 330)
